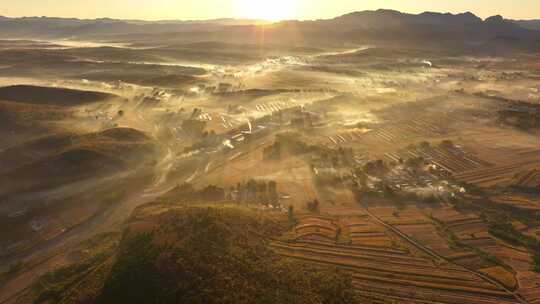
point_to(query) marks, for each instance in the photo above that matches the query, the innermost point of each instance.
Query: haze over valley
(374, 157)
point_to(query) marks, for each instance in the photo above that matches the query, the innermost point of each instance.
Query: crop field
(472, 232)
(399, 151)
(412, 215)
(529, 286)
(519, 201)
(292, 175)
(455, 240)
(390, 134)
(363, 232)
(340, 211)
(405, 132)
(456, 221)
(316, 229)
(502, 173)
(384, 272)
(529, 179)
(421, 228)
(501, 275)
(452, 160)
(272, 107)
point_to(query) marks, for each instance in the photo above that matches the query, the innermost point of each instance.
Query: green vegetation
(53, 286)
(504, 230)
(10, 271)
(256, 191)
(313, 206)
(500, 226)
(290, 143)
(291, 216)
(525, 118)
(251, 192)
(216, 252)
(197, 254)
(415, 162)
(63, 285)
(186, 192)
(454, 242)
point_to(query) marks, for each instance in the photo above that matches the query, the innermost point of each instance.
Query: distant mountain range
(51, 27)
(529, 24)
(428, 24)
(76, 21)
(364, 26)
(452, 31)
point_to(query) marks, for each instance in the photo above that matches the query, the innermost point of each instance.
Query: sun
(271, 10)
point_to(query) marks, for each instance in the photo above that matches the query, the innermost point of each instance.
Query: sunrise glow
(272, 10)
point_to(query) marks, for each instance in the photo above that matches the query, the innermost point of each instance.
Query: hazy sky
(270, 9)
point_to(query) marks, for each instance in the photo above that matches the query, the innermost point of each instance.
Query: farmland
(384, 266)
(296, 162)
(501, 173)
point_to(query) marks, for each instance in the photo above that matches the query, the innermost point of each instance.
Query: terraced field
(363, 232)
(271, 107)
(316, 229)
(529, 179)
(529, 286)
(420, 227)
(463, 239)
(385, 271)
(452, 160)
(518, 201)
(417, 128)
(392, 133)
(473, 232)
(502, 173)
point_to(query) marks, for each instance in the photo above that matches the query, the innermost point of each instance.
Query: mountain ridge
(468, 15)
(379, 26)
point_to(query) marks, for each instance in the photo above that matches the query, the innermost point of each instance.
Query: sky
(260, 9)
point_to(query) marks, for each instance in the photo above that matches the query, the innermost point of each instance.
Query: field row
(392, 133)
(499, 174)
(419, 278)
(527, 179)
(389, 270)
(275, 106)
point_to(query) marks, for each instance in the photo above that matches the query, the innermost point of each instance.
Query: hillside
(54, 160)
(50, 96)
(55, 183)
(42, 147)
(193, 254)
(20, 121)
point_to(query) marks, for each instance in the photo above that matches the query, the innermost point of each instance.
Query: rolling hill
(57, 182)
(54, 160)
(194, 254)
(51, 96)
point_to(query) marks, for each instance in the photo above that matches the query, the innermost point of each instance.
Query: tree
(415, 162)
(251, 190)
(447, 143)
(425, 145)
(314, 206)
(273, 195)
(290, 213)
